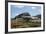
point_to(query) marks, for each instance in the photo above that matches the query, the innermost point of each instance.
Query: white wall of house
(30, 17)
(34, 17)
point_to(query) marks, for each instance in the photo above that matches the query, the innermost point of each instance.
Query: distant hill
(23, 14)
(27, 15)
(39, 16)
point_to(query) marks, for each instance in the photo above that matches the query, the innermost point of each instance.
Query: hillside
(19, 22)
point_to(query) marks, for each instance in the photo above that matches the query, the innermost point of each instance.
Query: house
(35, 18)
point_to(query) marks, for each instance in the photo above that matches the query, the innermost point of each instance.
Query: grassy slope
(20, 23)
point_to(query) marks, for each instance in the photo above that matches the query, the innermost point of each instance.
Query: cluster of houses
(31, 17)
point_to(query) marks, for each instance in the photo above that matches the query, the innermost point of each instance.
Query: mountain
(39, 16)
(23, 14)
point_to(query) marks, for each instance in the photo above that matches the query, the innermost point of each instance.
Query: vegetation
(24, 24)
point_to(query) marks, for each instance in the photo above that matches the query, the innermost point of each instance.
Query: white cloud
(19, 6)
(33, 7)
(17, 14)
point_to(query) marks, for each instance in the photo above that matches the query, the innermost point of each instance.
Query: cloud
(33, 7)
(17, 14)
(19, 6)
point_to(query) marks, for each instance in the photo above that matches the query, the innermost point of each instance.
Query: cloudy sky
(18, 9)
